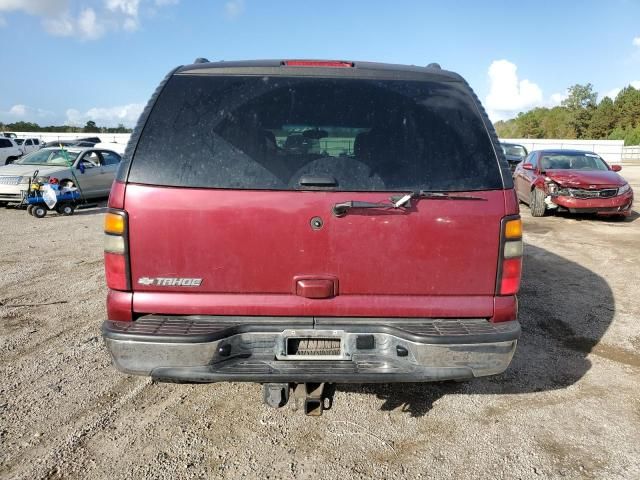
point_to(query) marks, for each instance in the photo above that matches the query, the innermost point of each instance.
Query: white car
(28, 145)
(9, 151)
(116, 147)
(92, 170)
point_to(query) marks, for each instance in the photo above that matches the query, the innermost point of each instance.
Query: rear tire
(65, 209)
(30, 209)
(536, 204)
(39, 211)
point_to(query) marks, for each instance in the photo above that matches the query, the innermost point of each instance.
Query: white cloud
(35, 7)
(62, 26)
(106, 116)
(127, 7)
(636, 42)
(18, 110)
(64, 18)
(557, 98)
(86, 26)
(25, 112)
(234, 8)
(507, 94)
(613, 93)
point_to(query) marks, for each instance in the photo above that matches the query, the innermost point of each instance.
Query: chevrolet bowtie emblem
(170, 282)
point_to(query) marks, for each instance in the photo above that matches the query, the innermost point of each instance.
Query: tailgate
(250, 249)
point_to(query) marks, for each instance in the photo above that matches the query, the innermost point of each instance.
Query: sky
(69, 61)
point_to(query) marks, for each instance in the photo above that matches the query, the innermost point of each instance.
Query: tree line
(90, 127)
(581, 116)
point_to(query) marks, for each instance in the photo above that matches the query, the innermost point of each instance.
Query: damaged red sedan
(573, 181)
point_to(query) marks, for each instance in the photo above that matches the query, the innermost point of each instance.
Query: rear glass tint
(267, 132)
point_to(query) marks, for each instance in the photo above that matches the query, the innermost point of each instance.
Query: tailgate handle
(316, 287)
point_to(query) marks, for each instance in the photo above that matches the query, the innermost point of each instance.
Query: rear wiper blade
(405, 200)
(340, 209)
(398, 201)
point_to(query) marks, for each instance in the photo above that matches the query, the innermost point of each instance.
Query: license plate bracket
(311, 345)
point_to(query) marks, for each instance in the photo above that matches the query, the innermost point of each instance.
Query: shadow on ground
(94, 207)
(101, 208)
(632, 217)
(565, 309)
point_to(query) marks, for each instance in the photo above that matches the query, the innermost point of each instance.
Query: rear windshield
(268, 132)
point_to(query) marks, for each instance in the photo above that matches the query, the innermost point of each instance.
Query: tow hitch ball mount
(311, 398)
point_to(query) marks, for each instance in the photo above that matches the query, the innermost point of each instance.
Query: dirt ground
(569, 406)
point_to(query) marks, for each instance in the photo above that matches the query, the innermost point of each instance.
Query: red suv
(298, 221)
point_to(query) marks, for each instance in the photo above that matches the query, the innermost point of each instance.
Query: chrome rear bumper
(214, 349)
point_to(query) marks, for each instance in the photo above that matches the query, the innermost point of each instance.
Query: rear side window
(268, 132)
(4, 143)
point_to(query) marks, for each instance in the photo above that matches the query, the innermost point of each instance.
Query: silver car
(91, 169)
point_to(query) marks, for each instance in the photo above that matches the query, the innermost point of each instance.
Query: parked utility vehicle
(309, 222)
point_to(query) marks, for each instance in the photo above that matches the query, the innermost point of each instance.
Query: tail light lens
(318, 63)
(116, 251)
(511, 250)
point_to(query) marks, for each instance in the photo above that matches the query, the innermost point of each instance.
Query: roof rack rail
(201, 60)
(434, 65)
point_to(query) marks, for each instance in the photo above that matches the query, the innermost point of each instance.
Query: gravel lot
(568, 406)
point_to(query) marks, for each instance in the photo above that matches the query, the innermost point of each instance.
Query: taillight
(116, 251)
(511, 249)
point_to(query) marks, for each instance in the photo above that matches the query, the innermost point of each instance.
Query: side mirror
(527, 166)
(616, 168)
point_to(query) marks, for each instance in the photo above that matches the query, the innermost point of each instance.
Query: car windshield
(48, 157)
(270, 132)
(514, 150)
(578, 161)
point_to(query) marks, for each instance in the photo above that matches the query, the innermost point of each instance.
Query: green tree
(91, 127)
(581, 103)
(603, 120)
(580, 96)
(507, 129)
(627, 106)
(555, 123)
(23, 126)
(529, 123)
